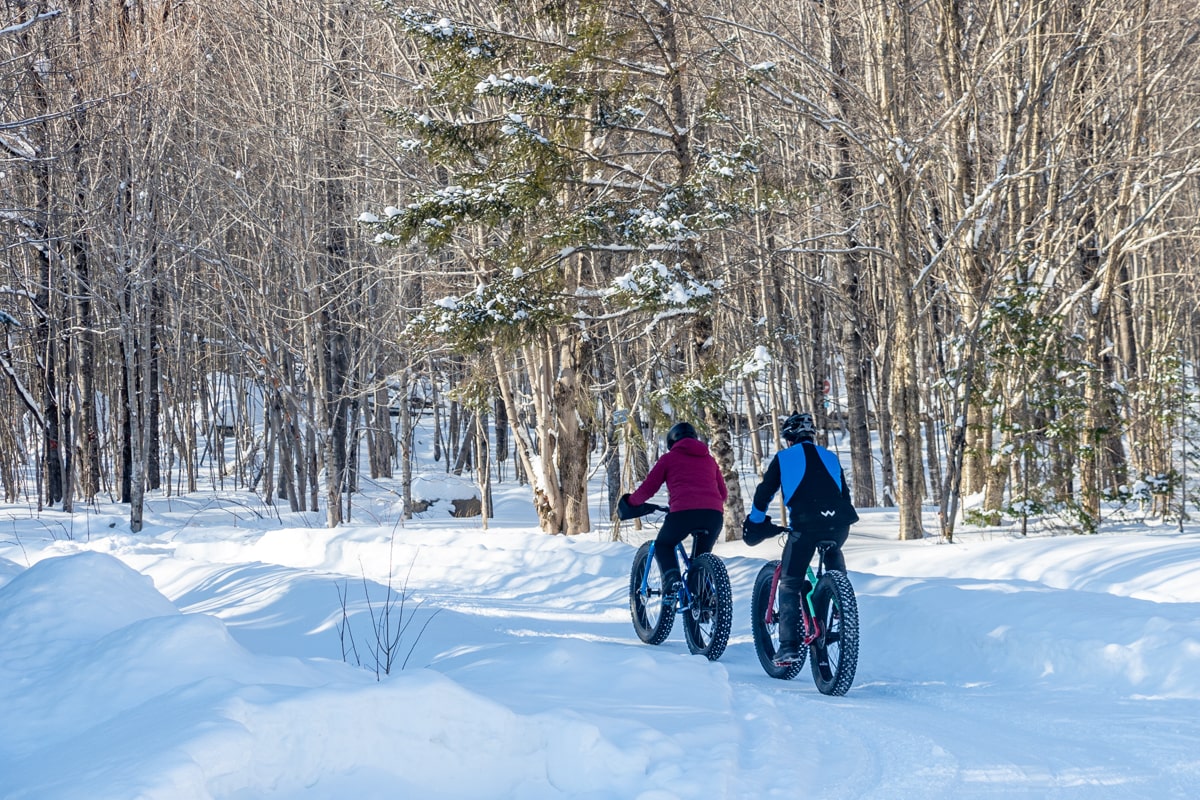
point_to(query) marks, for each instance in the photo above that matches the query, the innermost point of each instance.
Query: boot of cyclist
(791, 629)
(670, 585)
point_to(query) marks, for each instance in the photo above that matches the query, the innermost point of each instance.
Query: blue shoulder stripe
(792, 464)
(832, 466)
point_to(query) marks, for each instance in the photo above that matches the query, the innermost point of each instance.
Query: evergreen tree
(575, 178)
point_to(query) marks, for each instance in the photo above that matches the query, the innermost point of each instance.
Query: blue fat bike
(829, 612)
(704, 601)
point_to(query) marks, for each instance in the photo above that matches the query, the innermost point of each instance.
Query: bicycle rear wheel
(652, 619)
(835, 651)
(710, 616)
(766, 633)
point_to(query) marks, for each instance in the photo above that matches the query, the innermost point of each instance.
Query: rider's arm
(652, 483)
(767, 488)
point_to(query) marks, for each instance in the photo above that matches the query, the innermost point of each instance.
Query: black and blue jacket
(814, 489)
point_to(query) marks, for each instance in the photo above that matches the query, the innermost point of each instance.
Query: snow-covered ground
(203, 658)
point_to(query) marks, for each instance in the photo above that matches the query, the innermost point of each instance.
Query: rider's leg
(672, 532)
(676, 527)
(797, 554)
(833, 556)
(705, 527)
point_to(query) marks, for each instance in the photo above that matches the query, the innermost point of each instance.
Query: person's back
(696, 494)
(691, 474)
(821, 497)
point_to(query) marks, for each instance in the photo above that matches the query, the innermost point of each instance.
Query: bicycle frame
(812, 628)
(685, 563)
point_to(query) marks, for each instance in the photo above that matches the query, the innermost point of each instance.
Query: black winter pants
(797, 555)
(705, 523)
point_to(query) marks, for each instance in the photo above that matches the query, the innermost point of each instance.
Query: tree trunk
(572, 445)
(850, 267)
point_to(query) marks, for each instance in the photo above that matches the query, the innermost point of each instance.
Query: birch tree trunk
(851, 266)
(895, 72)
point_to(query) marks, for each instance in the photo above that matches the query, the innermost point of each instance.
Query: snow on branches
(654, 286)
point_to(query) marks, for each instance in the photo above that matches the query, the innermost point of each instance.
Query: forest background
(962, 233)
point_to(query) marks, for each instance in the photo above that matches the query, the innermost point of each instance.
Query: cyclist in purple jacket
(696, 492)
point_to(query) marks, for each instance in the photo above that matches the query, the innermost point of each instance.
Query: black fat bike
(829, 612)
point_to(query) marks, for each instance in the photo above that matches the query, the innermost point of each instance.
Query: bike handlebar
(789, 529)
(626, 511)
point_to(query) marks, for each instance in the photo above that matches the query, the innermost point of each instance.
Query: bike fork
(645, 587)
(771, 618)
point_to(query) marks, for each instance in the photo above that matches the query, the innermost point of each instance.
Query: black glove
(757, 532)
(627, 511)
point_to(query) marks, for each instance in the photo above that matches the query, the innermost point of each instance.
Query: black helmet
(680, 430)
(798, 428)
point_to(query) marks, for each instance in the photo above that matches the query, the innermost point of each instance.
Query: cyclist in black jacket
(819, 509)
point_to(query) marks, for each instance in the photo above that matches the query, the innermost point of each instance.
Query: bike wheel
(652, 619)
(706, 622)
(835, 651)
(766, 634)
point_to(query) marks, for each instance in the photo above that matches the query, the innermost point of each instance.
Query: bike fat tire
(707, 623)
(766, 637)
(835, 651)
(652, 619)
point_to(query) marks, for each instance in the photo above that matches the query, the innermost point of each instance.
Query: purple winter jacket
(692, 476)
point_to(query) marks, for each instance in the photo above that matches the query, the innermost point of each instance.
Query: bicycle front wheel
(652, 619)
(835, 651)
(765, 626)
(710, 616)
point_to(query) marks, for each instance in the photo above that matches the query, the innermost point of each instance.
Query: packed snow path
(1061, 666)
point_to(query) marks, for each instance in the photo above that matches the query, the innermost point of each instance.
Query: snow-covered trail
(540, 625)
